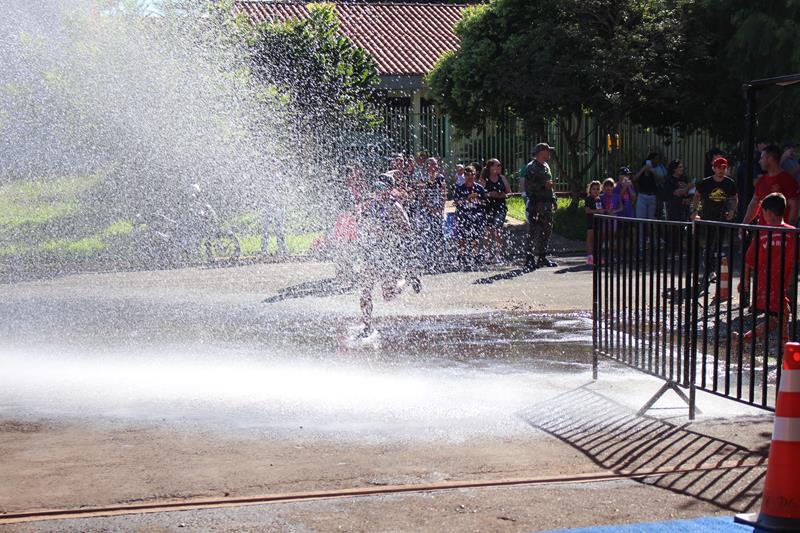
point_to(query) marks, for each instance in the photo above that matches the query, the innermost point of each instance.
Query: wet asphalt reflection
(421, 377)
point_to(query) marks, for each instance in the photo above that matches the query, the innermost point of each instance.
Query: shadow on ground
(576, 268)
(511, 274)
(320, 288)
(617, 439)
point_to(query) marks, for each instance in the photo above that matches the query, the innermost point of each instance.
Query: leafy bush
(570, 220)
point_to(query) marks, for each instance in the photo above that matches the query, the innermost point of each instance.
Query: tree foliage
(560, 60)
(660, 63)
(320, 72)
(728, 43)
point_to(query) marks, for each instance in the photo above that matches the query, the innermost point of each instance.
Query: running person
(383, 228)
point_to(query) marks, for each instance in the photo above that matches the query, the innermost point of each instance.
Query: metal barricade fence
(665, 303)
(741, 332)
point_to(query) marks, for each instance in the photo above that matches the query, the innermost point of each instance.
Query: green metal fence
(505, 140)
(397, 125)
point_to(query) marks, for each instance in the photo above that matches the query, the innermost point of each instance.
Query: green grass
(250, 244)
(516, 207)
(38, 202)
(570, 222)
(84, 246)
(33, 210)
(29, 207)
(295, 243)
(250, 225)
(300, 242)
(66, 247)
(118, 228)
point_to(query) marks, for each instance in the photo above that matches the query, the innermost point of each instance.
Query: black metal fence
(703, 305)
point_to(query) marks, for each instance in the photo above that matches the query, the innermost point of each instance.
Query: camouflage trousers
(540, 228)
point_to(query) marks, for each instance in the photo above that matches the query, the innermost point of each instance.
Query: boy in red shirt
(783, 244)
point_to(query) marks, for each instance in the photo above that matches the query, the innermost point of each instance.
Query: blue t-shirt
(463, 192)
(611, 203)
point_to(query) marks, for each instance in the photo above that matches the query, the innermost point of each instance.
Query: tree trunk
(570, 128)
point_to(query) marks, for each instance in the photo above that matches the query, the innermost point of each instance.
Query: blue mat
(717, 524)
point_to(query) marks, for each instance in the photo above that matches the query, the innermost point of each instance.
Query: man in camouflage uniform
(540, 209)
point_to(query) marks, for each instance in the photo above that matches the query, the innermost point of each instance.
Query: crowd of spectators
(656, 192)
(471, 234)
(457, 219)
(467, 237)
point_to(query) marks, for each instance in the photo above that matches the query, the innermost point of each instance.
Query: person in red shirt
(773, 245)
(774, 179)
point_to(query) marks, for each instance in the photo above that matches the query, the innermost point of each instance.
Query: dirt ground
(62, 462)
(74, 465)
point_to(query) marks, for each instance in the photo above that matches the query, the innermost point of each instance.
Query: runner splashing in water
(383, 229)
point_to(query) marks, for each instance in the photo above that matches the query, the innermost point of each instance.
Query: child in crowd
(594, 206)
(627, 192)
(469, 199)
(612, 203)
(497, 190)
(781, 244)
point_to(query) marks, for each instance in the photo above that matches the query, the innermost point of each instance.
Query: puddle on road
(425, 377)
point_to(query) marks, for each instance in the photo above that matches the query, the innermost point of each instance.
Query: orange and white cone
(780, 504)
(724, 281)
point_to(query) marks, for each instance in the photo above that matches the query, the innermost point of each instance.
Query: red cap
(719, 161)
(791, 356)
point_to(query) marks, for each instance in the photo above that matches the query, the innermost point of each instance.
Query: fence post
(595, 294)
(692, 355)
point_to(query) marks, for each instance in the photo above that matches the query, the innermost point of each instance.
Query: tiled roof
(402, 38)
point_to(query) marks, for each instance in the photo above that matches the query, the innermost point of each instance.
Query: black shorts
(471, 225)
(496, 217)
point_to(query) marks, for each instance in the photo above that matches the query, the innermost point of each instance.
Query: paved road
(142, 386)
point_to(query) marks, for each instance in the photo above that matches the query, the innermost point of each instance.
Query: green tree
(324, 76)
(559, 60)
(728, 43)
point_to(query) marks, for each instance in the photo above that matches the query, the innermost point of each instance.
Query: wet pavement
(203, 347)
(430, 377)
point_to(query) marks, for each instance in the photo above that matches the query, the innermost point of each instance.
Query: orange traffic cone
(724, 279)
(780, 504)
(724, 282)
